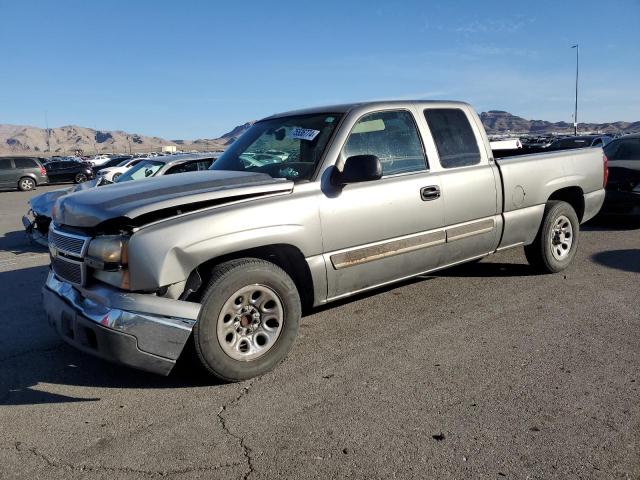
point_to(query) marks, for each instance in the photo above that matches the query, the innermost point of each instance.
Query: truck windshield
(284, 147)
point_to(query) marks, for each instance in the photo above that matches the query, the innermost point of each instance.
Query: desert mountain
(499, 122)
(16, 139)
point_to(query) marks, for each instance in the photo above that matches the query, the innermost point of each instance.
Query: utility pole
(575, 112)
(46, 121)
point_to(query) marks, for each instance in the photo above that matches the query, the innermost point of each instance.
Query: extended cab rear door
(471, 190)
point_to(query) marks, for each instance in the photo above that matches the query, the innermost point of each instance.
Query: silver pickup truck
(305, 208)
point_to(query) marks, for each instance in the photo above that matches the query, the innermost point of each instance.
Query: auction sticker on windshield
(303, 133)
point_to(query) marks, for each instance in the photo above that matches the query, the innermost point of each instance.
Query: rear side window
(392, 137)
(193, 166)
(24, 163)
(623, 149)
(453, 136)
(5, 164)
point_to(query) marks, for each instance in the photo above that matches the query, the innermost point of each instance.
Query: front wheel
(115, 177)
(248, 321)
(80, 178)
(557, 241)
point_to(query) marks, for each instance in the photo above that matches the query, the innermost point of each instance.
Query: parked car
(582, 141)
(623, 189)
(112, 172)
(167, 165)
(23, 173)
(38, 218)
(112, 162)
(369, 194)
(99, 160)
(69, 171)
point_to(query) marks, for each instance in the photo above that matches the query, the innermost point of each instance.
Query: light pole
(575, 112)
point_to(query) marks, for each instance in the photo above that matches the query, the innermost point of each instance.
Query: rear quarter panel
(529, 180)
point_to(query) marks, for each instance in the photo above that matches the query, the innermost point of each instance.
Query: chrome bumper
(139, 330)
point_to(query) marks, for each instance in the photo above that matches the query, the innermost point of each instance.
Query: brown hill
(25, 140)
(497, 122)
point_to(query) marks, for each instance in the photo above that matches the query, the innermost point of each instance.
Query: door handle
(430, 193)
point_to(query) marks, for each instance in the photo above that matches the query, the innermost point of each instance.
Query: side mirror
(358, 168)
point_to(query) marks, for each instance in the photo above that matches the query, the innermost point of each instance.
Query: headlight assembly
(108, 252)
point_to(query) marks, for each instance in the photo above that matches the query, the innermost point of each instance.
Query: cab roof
(374, 105)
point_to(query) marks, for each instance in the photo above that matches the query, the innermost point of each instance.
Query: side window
(24, 163)
(597, 142)
(182, 168)
(629, 150)
(5, 164)
(392, 137)
(205, 164)
(453, 136)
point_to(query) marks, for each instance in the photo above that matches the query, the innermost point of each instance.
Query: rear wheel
(26, 183)
(248, 321)
(557, 241)
(80, 178)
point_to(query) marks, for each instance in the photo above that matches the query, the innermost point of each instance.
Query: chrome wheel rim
(81, 177)
(250, 322)
(26, 184)
(561, 238)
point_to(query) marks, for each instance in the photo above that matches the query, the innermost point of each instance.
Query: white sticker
(303, 133)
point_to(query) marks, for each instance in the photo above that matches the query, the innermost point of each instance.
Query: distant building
(169, 149)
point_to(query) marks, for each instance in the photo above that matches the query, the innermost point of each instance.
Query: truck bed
(529, 181)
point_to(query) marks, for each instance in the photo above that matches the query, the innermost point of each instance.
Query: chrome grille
(67, 243)
(68, 270)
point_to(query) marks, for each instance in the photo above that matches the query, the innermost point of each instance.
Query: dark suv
(582, 141)
(25, 173)
(69, 171)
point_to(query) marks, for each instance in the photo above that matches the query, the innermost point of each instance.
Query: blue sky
(193, 69)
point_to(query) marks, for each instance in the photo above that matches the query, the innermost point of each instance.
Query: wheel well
(287, 257)
(35, 181)
(574, 196)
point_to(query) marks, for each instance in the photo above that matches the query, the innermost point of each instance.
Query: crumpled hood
(43, 203)
(135, 198)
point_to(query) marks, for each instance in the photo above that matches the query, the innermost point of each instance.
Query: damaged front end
(104, 293)
(38, 218)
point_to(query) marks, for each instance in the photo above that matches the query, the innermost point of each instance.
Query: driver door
(383, 230)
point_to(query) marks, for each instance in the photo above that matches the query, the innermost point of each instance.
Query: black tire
(115, 177)
(227, 279)
(540, 253)
(80, 178)
(26, 184)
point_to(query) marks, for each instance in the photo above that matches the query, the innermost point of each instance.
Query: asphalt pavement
(481, 371)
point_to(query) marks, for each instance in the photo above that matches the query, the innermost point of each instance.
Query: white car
(99, 160)
(112, 173)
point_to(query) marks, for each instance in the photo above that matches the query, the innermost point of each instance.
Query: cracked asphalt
(482, 371)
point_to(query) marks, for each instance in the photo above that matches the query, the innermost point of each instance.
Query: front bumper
(118, 326)
(36, 228)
